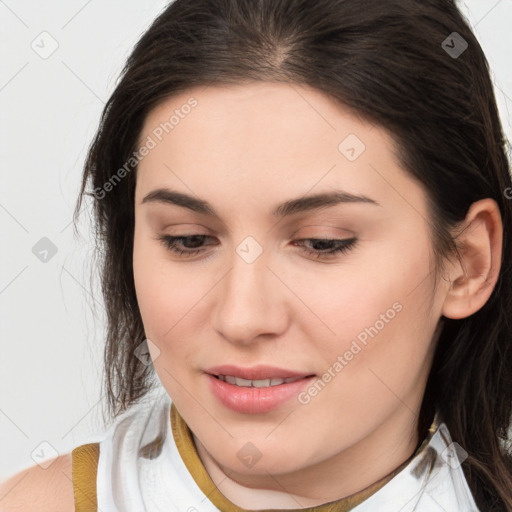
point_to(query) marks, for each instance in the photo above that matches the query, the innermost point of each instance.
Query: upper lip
(255, 372)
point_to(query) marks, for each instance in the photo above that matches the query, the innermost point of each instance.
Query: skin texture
(246, 149)
(40, 490)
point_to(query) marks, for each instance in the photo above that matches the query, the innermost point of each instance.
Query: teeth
(242, 382)
(261, 383)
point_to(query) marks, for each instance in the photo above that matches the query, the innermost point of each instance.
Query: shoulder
(40, 490)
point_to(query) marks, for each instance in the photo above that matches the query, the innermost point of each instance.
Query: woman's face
(258, 291)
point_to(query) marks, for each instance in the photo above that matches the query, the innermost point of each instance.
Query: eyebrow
(290, 207)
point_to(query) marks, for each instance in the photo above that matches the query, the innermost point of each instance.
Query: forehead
(256, 108)
(265, 140)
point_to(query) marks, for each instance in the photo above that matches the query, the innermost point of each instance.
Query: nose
(251, 303)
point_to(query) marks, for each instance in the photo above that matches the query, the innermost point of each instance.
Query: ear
(480, 241)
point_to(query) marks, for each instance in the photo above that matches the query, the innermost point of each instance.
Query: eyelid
(340, 231)
(342, 246)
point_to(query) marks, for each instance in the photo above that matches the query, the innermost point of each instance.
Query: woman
(304, 218)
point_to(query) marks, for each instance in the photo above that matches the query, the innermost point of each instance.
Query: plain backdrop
(51, 343)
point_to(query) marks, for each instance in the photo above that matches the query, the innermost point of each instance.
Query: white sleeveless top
(131, 481)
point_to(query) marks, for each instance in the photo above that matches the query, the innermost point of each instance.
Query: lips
(260, 372)
(254, 399)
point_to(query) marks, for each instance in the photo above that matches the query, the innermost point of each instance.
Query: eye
(322, 247)
(328, 247)
(170, 242)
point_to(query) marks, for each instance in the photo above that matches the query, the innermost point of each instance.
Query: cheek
(167, 296)
(163, 305)
(384, 341)
(352, 296)
(164, 299)
(158, 284)
(156, 294)
(376, 307)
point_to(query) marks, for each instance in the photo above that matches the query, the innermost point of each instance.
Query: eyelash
(169, 243)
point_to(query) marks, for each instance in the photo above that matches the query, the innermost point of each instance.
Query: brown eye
(328, 247)
(192, 241)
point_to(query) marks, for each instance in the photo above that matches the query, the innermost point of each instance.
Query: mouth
(256, 395)
(258, 383)
(260, 376)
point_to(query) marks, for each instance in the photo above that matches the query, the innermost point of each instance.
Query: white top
(127, 481)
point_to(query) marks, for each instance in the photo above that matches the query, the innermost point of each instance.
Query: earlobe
(474, 277)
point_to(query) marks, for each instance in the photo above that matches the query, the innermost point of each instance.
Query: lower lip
(252, 400)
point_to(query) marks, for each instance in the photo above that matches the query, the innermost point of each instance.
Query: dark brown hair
(390, 63)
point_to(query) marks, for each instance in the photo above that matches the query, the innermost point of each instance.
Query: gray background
(51, 343)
